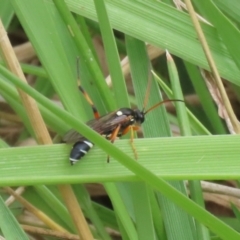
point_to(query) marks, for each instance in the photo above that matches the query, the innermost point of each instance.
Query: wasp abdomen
(79, 150)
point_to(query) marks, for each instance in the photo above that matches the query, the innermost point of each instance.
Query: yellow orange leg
(113, 137)
(132, 129)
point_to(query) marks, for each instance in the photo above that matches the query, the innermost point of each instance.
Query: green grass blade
(8, 224)
(111, 52)
(143, 212)
(39, 202)
(170, 29)
(10, 94)
(121, 211)
(89, 211)
(3, 144)
(6, 13)
(231, 8)
(236, 211)
(51, 200)
(34, 70)
(225, 28)
(177, 94)
(122, 101)
(85, 31)
(194, 186)
(205, 99)
(88, 57)
(195, 123)
(190, 207)
(205, 157)
(157, 216)
(107, 215)
(140, 68)
(49, 40)
(134, 166)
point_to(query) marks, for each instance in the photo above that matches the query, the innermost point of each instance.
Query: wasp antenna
(160, 103)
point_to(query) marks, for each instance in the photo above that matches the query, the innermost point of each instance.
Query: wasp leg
(94, 109)
(113, 137)
(132, 129)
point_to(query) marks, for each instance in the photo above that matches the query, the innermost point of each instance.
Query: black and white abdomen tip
(79, 150)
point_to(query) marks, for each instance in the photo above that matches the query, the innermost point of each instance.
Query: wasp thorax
(119, 113)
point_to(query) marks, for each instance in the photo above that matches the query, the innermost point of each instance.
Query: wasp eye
(119, 113)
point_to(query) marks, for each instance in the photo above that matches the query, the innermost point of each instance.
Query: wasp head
(139, 116)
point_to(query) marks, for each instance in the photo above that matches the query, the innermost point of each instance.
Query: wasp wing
(104, 125)
(72, 136)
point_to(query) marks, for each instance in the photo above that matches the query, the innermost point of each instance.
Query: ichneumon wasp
(112, 125)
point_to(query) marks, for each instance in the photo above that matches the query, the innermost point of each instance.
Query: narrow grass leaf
(119, 86)
(107, 215)
(143, 212)
(3, 144)
(9, 225)
(141, 74)
(140, 67)
(194, 186)
(44, 87)
(34, 70)
(122, 101)
(90, 212)
(141, 77)
(121, 211)
(196, 125)
(51, 200)
(177, 94)
(49, 213)
(157, 216)
(81, 21)
(236, 211)
(205, 99)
